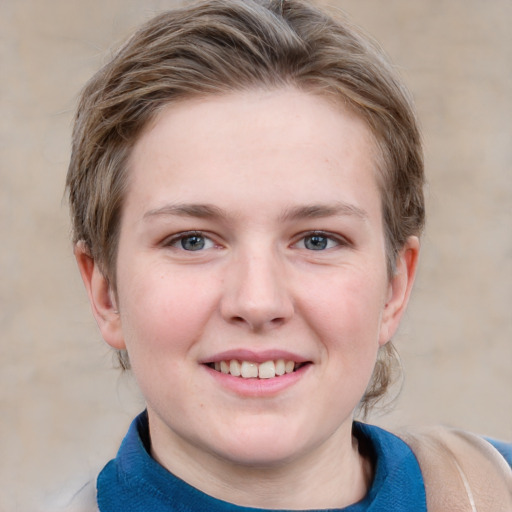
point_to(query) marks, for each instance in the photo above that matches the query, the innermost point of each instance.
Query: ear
(101, 297)
(399, 289)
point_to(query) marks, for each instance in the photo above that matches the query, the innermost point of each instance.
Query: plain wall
(64, 410)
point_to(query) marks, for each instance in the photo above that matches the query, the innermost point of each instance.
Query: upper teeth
(249, 369)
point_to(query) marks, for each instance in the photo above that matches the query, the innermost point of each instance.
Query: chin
(260, 457)
(266, 446)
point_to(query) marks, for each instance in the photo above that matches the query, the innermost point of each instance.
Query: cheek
(346, 319)
(347, 305)
(164, 311)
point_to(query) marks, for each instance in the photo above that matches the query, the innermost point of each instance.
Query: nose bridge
(256, 289)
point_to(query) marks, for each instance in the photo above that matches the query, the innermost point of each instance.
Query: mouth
(252, 370)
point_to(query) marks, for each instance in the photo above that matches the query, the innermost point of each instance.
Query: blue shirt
(134, 481)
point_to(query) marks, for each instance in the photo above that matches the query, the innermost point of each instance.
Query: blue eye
(192, 242)
(318, 242)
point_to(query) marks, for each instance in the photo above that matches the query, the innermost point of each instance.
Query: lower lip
(255, 387)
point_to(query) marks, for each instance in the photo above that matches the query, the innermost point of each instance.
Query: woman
(246, 188)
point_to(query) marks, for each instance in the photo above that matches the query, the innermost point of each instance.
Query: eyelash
(329, 237)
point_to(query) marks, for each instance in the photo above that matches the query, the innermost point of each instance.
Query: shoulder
(85, 499)
(455, 443)
(397, 480)
(505, 449)
(82, 499)
(460, 467)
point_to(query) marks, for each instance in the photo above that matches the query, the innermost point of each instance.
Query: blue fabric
(133, 481)
(504, 448)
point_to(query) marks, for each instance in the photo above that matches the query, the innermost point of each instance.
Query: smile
(252, 370)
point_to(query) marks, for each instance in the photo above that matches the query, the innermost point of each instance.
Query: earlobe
(101, 297)
(400, 287)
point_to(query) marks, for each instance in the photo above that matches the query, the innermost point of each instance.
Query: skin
(269, 170)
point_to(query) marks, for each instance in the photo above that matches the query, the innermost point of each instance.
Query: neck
(334, 475)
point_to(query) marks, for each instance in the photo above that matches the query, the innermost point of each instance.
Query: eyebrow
(316, 211)
(202, 211)
(209, 211)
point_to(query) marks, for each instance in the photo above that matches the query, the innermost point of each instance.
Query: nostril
(255, 323)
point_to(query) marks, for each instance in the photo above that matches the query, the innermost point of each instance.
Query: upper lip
(254, 357)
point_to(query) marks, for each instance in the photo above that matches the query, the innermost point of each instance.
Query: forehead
(253, 141)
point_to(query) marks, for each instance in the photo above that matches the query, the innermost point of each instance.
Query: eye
(191, 241)
(318, 242)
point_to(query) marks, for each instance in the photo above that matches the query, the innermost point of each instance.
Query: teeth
(250, 370)
(235, 368)
(280, 367)
(267, 370)
(289, 366)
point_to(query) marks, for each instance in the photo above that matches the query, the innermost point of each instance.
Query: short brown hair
(218, 46)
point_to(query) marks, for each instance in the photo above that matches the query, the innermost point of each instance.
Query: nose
(256, 293)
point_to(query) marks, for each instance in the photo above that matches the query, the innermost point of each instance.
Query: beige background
(63, 410)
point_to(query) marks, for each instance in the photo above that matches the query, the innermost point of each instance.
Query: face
(252, 285)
